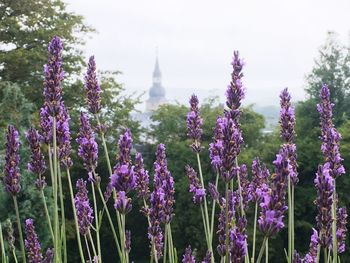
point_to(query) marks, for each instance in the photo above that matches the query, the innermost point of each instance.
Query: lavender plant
(271, 195)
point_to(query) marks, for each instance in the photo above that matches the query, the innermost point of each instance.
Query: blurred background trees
(25, 30)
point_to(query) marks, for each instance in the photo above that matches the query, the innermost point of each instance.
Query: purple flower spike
(341, 228)
(54, 75)
(329, 135)
(213, 191)
(273, 205)
(46, 125)
(123, 203)
(92, 87)
(64, 137)
(245, 184)
(37, 163)
(142, 177)
(259, 179)
(156, 215)
(235, 91)
(194, 124)
(238, 241)
(188, 257)
(83, 208)
(164, 180)
(32, 244)
(216, 147)
(123, 177)
(12, 176)
(207, 258)
(324, 184)
(88, 148)
(195, 186)
(287, 117)
(311, 256)
(232, 142)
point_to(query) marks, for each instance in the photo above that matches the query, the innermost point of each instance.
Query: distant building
(156, 92)
(156, 98)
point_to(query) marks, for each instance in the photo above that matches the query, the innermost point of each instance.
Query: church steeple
(157, 91)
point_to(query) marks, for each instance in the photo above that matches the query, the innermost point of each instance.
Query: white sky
(196, 38)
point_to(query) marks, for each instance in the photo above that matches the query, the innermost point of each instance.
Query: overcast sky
(195, 38)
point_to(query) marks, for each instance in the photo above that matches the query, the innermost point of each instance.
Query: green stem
(97, 226)
(121, 234)
(92, 244)
(213, 211)
(226, 224)
(75, 217)
(87, 248)
(165, 244)
(254, 230)
(205, 208)
(3, 252)
(293, 229)
(262, 249)
(267, 251)
(51, 170)
(110, 221)
(63, 221)
(14, 256)
(105, 147)
(204, 225)
(289, 220)
(47, 213)
(334, 226)
(21, 240)
(55, 196)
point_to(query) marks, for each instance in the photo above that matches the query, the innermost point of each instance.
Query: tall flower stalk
(12, 176)
(330, 138)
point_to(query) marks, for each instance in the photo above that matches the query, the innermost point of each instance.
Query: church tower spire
(157, 91)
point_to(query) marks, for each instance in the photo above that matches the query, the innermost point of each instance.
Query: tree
(26, 28)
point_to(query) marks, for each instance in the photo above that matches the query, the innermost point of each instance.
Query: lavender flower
(287, 117)
(12, 176)
(164, 180)
(311, 256)
(324, 184)
(238, 241)
(341, 228)
(273, 202)
(83, 208)
(259, 179)
(216, 147)
(156, 215)
(235, 91)
(46, 125)
(213, 191)
(108, 192)
(194, 124)
(54, 74)
(195, 186)
(232, 142)
(142, 177)
(37, 163)
(128, 240)
(123, 177)
(207, 258)
(63, 137)
(329, 135)
(32, 244)
(122, 203)
(245, 184)
(92, 87)
(88, 148)
(188, 257)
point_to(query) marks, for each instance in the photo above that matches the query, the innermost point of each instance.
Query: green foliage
(26, 28)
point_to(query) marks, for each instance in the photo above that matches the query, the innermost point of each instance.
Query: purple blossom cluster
(82, 205)
(242, 172)
(92, 87)
(33, 247)
(12, 176)
(238, 241)
(197, 190)
(273, 204)
(217, 146)
(54, 75)
(311, 256)
(194, 124)
(259, 183)
(37, 163)
(122, 203)
(46, 125)
(341, 228)
(88, 148)
(324, 184)
(142, 177)
(188, 257)
(329, 135)
(123, 177)
(63, 137)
